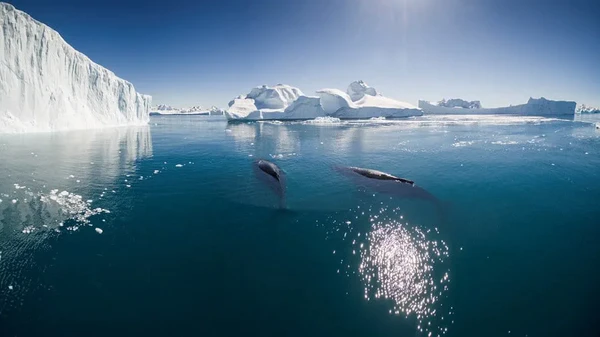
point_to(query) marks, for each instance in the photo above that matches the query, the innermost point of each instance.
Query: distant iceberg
(47, 85)
(533, 107)
(284, 102)
(584, 109)
(164, 109)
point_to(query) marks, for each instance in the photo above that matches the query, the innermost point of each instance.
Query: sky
(205, 53)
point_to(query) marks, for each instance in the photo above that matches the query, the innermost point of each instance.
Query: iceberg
(280, 102)
(533, 107)
(194, 110)
(284, 102)
(361, 101)
(584, 109)
(47, 85)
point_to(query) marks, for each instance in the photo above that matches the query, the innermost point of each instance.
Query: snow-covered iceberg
(584, 109)
(194, 110)
(284, 102)
(361, 101)
(274, 103)
(164, 109)
(47, 85)
(533, 107)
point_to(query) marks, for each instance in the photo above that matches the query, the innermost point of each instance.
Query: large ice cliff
(47, 85)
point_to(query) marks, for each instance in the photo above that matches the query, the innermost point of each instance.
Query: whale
(273, 177)
(385, 183)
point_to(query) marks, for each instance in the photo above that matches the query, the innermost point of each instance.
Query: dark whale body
(386, 183)
(273, 177)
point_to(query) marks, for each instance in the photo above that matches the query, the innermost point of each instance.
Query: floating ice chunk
(28, 229)
(98, 230)
(89, 201)
(141, 178)
(14, 201)
(10, 288)
(71, 176)
(156, 171)
(128, 186)
(178, 165)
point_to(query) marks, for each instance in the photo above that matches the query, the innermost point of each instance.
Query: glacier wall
(533, 107)
(47, 85)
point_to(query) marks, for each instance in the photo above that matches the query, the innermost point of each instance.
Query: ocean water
(165, 231)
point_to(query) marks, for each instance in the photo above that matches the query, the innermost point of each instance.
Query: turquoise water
(193, 244)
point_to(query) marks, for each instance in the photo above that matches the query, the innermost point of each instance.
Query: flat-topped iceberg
(47, 85)
(284, 102)
(533, 107)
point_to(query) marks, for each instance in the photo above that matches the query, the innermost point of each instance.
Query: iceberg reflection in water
(55, 183)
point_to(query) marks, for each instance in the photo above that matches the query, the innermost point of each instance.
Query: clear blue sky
(206, 52)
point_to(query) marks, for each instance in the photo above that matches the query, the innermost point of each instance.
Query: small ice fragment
(141, 178)
(165, 163)
(14, 201)
(10, 288)
(128, 186)
(586, 153)
(78, 180)
(103, 220)
(89, 201)
(251, 143)
(99, 230)
(178, 165)
(71, 176)
(250, 155)
(321, 143)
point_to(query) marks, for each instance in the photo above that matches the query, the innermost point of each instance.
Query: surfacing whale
(272, 176)
(386, 183)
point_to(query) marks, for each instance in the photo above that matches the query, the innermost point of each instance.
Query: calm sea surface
(165, 230)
